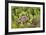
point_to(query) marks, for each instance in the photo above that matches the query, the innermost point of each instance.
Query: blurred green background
(33, 13)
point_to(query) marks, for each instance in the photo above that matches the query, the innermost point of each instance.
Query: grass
(33, 13)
